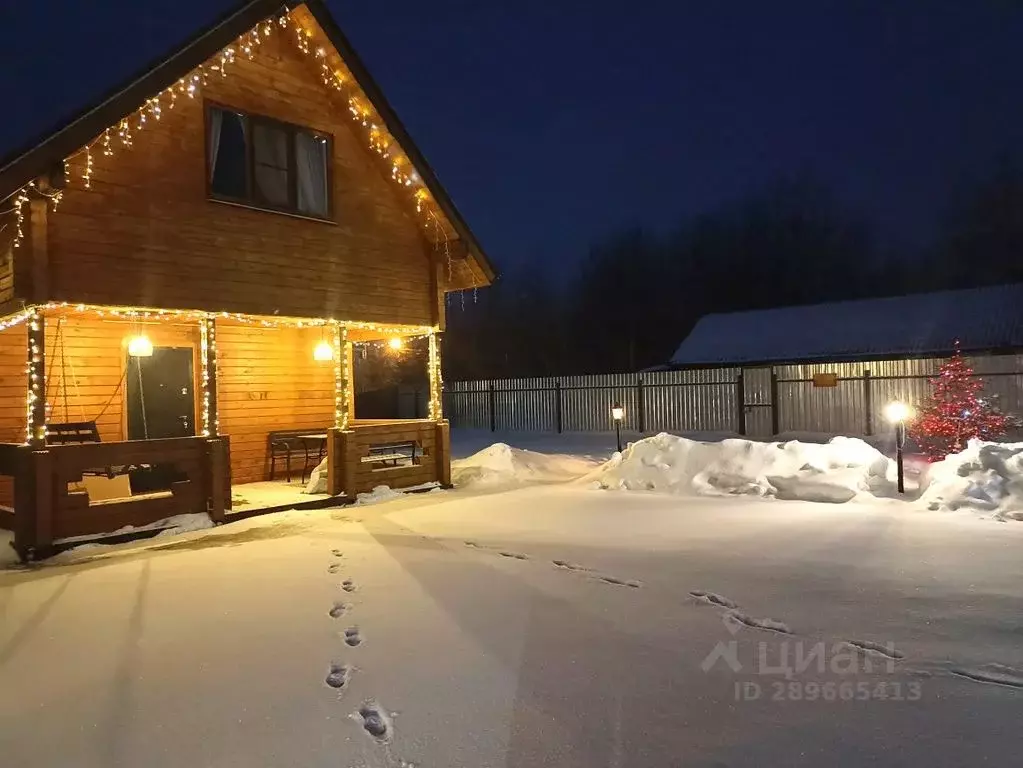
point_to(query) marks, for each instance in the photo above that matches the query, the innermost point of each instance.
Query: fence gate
(757, 396)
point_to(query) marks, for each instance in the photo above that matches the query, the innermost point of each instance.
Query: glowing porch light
(324, 351)
(395, 343)
(140, 346)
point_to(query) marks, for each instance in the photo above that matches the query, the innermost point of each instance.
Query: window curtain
(216, 124)
(311, 159)
(271, 160)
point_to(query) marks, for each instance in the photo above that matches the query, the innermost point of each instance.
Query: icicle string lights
(359, 107)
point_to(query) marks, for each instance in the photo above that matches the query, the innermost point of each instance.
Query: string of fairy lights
(337, 78)
(139, 345)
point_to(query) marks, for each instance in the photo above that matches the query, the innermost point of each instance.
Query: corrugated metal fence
(758, 401)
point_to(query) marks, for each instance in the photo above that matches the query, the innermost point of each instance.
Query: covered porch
(132, 416)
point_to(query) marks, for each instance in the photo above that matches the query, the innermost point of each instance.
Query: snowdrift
(986, 477)
(500, 464)
(835, 472)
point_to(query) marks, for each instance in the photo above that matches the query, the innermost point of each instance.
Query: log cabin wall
(268, 380)
(13, 391)
(145, 233)
(86, 359)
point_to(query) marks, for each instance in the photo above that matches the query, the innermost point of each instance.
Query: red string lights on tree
(956, 413)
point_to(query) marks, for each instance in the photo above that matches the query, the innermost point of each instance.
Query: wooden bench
(285, 443)
(72, 432)
(389, 454)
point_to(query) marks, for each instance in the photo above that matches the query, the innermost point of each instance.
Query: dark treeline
(636, 295)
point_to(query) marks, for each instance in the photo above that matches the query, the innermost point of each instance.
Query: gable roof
(40, 154)
(921, 325)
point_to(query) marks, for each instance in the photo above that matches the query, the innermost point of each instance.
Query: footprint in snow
(338, 675)
(375, 721)
(333, 567)
(472, 544)
(876, 649)
(337, 553)
(993, 674)
(348, 585)
(769, 625)
(621, 582)
(514, 555)
(711, 598)
(353, 638)
(339, 609)
(567, 566)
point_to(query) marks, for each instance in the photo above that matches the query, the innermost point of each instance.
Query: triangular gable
(120, 117)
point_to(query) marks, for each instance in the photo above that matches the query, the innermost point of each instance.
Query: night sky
(553, 122)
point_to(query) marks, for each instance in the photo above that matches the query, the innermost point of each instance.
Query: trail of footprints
(560, 564)
(371, 716)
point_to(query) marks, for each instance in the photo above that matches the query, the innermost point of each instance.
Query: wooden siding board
(268, 380)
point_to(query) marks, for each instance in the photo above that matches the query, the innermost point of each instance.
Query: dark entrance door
(161, 401)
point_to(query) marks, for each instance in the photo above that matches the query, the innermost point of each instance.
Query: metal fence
(759, 401)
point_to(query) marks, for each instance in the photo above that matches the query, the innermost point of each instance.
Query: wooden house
(188, 264)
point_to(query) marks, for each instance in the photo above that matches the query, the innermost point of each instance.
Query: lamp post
(897, 413)
(618, 413)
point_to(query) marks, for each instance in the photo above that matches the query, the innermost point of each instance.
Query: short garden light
(618, 413)
(897, 413)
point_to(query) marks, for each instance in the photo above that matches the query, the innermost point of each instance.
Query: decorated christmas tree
(956, 412)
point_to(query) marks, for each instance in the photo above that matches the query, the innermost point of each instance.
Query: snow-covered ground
(528, 622)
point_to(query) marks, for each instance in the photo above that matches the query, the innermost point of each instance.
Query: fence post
(740, 403)
(868, 403)
(640, 406)
(492, 402)
(774, 402)
(557, 406)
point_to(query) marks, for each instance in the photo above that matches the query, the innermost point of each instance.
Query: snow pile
(500, 464)
(379, 494)
(833, 472)
(986, 477)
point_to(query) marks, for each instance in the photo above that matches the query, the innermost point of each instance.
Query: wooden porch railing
(47, 509)
(351, 470)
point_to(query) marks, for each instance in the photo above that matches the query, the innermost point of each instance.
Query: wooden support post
(343, 390)
(218, 477)
(443, 451)
(341, 462)
(34, 504)
(208, 349)
(435, 407)
(35, 427)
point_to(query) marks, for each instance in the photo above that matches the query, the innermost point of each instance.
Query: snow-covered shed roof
(921, 325)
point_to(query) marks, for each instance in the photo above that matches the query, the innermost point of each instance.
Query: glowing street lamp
(618, 413)
(897, 413)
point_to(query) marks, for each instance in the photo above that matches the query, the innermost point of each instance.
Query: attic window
(268, 164)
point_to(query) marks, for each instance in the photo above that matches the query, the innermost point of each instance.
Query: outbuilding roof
(920, 325)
